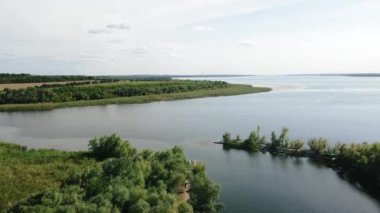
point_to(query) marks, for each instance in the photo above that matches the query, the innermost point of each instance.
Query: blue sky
(97, 37)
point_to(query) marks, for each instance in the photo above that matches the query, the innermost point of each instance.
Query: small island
(357, 163)
(27, 92)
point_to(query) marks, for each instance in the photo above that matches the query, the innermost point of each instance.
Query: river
(342, 109)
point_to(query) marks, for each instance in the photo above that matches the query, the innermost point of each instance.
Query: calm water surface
(339, 108)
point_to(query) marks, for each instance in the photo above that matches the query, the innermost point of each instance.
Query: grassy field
(25, 172)
(235, 89)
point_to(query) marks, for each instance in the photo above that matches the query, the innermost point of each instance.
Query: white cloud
(202, 35)
(140, 51)
(118, 26)
(247, 43)
(116, 41)
(203, 28)
(99, 31)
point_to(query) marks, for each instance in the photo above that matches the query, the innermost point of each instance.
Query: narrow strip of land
(233, 89)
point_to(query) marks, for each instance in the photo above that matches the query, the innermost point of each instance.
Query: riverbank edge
(235, 89)
(350, 172)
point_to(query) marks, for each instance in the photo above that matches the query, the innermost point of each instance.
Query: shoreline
(235, 89)
(355, 163)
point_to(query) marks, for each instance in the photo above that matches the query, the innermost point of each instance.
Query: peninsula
(50, 92)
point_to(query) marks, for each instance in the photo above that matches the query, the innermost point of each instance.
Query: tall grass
(25, 172)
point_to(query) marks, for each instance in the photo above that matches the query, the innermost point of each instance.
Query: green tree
(283, 138)
(110, 146)
(204, 195)
(227, 138)
(141, 206)
(185, 208)
(51, 199)
(238, 139)
(251, 143)
(274, 140)
(296, 145)
(318, 145)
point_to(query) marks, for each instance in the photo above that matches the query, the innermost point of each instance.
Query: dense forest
(111, 177)
(356, 162)
(138, 77)
(7, 78)
(102, 90)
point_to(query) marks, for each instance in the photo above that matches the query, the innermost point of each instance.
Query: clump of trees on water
(360, 162)
(127, 180)
(252, 143)
(74, 92)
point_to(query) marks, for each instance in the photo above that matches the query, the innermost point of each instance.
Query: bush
(185, 208)
(110, 147)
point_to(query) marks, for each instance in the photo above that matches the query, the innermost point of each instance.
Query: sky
(125, 37)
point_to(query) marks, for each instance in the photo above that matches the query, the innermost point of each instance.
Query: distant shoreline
(341, 74)
(208, 76)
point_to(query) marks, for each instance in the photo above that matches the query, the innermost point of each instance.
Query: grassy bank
(234, 89)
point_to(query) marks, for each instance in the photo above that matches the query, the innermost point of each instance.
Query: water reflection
(316, 163)
(297, 161)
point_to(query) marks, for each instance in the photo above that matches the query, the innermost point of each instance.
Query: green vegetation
(256, 142)
(143, 92)
(111, 177)
(296, 145)
(25, 172)
(318, 145)
(6, 78)
(252, 143)
(68, 92)
(357, 162)
(86, 90)
(138, 77)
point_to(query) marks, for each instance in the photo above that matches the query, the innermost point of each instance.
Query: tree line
(7, 78)
(77, 91)
(127, 180)
(361, 162)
